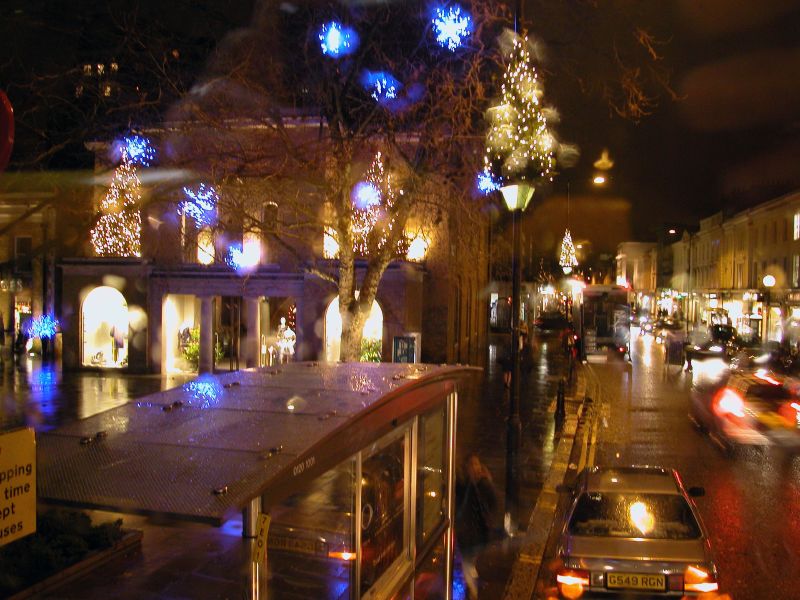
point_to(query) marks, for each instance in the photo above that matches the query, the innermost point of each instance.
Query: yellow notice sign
(17, 485)
(260, 548)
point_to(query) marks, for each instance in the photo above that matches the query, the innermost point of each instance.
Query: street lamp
(517, 196)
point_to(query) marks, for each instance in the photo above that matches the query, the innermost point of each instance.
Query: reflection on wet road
(752, 502)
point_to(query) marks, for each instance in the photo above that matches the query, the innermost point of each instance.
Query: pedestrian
(476, 504)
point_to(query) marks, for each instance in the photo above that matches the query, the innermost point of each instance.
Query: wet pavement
(42, 396)
(482, 429)
(195, 561)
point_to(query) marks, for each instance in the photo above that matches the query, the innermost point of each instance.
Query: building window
(205, 246)
(795, 270)
(23, 254)
(796, 235)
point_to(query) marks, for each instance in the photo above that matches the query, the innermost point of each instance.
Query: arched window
(105, 323)
(372, 333)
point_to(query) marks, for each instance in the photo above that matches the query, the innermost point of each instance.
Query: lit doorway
(180, 333)
(104, 316)
(372, 333)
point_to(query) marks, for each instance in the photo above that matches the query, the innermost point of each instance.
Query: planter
(131, 540)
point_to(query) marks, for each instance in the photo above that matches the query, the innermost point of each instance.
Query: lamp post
(769, 283)
(517, 197)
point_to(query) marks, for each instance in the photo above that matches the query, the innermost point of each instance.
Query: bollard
(560, 408)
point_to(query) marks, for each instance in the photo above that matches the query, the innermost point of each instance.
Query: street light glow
(599, 180)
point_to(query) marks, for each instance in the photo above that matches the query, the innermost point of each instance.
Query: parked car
(721, 342)
(630, 531)
(752, 408)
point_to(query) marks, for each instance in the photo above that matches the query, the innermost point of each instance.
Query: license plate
(636, 581)
(291, 544)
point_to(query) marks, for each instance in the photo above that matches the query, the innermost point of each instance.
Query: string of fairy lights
(373, 199)
(118, 230)
(519, 146)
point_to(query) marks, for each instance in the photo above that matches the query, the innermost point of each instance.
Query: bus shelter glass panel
(430, 580)
(383, 508)
(431, 474)
(311, 544)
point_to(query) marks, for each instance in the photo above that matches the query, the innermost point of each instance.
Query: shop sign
(17, 485)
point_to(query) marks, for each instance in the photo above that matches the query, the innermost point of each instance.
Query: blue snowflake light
(451, 26)
(336, 40)
(241, 260)
(486, 183)
(201, 204)
(42, 327)
(382, 86)
(139, 150)
(366, 195)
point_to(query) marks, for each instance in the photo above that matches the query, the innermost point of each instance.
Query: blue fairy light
(42, 327)
(382, 86)
(201, 204)
(451, 26)
(335, 40)
(487, 183)
(366, 195)
(205, 389)
(139, 150)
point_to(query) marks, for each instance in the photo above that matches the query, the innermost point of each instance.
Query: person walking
(476, 505)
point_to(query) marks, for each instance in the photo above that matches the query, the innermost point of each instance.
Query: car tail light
(342, 555)
(571, 582)
(696, 579)
(728, 402)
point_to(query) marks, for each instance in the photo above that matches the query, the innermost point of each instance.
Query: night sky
(729, 138)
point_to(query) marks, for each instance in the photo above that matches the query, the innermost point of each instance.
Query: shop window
(795, 270)
(796, 234)
(431, 474)
(383, 509)
(311, 541)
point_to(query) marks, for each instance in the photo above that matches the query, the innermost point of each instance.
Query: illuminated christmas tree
(119, 229)
(519, 147)
(568, 259)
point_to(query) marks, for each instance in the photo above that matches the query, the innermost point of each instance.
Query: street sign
(17, 485)
(260, 549)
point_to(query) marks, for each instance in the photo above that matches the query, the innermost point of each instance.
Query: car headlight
(696, 347)
(715, 348)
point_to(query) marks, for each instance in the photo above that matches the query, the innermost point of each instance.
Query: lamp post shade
(517, 196)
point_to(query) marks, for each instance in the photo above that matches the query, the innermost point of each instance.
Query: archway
(104, 318)
(372, 331)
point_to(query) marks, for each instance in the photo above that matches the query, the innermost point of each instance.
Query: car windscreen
(651, 516)
(722, 333)
(767, 392)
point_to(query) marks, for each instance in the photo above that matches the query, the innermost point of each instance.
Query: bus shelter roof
(202, 451)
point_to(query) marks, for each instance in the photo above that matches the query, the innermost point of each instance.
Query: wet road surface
(752, 503)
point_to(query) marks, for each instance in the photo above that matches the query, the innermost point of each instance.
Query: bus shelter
(353, 464)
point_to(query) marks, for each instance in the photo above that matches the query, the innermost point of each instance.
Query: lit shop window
(796, 235)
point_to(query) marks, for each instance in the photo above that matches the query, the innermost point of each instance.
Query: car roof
(642, 479)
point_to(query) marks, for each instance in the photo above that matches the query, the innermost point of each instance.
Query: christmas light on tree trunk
(119, 229)
(568, 259)
(373, 201)
(519, 146)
